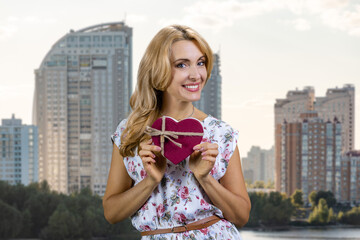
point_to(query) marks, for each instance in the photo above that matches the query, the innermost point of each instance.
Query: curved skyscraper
(210, 101)
(82, 91)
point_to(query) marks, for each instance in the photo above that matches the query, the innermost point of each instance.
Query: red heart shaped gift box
(178, 138)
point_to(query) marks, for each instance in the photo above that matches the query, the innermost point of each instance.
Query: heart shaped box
(171, 151)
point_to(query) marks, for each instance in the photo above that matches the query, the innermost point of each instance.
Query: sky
(266, 47)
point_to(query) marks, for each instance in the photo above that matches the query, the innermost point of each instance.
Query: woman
(204, 195)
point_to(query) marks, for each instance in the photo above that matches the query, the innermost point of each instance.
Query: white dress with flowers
(179, 198)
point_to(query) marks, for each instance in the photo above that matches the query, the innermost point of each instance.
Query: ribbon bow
(168, 134)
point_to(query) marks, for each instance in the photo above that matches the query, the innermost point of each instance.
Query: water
(309, 234)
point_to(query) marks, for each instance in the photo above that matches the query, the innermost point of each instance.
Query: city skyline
(266, 49)
(83, 87)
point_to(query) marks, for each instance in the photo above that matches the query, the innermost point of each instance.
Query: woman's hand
(154, 163)
(203, 159)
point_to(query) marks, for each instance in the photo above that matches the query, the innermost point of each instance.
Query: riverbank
(301, 234)
(293, 227)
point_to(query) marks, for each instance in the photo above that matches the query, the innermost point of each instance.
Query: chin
(194, 99)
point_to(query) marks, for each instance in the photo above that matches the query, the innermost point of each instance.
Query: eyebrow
(188, 60)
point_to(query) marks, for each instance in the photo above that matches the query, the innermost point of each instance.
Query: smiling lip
(192, 87)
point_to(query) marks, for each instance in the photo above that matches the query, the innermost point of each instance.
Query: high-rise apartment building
(18, 152)
(210, 101)
(311, 155)
(338, 103)
(259, 165)
(288, 110)
(82, 91)
(350, 177)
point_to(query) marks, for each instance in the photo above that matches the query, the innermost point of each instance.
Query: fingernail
(196, 148)
(153, 155)
(158, 148)
(201, 149)
(203, 153)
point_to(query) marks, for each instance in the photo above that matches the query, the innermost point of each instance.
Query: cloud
(13, 91)
(301, 24)
(13, 24)
(7, 30)
(348, 21)
(256, 102)
(343, 15)
(135, 18)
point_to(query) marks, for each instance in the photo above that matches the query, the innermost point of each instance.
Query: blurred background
(286, 76)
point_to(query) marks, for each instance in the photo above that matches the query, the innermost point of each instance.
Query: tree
(312, 199)
(332, 216)
(269, 209)
(340, 216)
(320, 214)
(63, 224)
(270, 184)
(41, 206)
(351, 217)
(10, 221)
(297, 198)
(259, 184)
(328, 196)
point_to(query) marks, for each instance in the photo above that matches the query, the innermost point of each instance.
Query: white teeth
(191, 86)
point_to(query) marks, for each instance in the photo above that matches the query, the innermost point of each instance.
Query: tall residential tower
(210, 101)
(82, 91)
(18, 152)
(291, 153)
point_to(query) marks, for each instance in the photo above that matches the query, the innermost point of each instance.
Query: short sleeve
(116, 137)
(227, 140)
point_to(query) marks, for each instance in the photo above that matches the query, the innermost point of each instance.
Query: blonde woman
(203, 196)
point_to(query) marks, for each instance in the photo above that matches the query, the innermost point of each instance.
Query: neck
(178, 111)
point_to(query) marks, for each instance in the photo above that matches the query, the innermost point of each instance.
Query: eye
(180, 65)
(201, 63)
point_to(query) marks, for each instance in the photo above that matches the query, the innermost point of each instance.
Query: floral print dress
(179, 199)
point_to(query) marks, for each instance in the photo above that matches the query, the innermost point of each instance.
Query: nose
(194, 73)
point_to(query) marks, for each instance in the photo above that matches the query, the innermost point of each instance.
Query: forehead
(185, 49)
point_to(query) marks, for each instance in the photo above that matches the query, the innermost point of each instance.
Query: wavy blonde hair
(154, 76)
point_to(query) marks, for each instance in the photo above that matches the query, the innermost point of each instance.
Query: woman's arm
(230, 194)
(121, 200)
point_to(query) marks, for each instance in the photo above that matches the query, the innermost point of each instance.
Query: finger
(208, 158)
(205, 146)
(146, 153)
(197, 147)
(200, 147)
(148, 160)
(211, 152)
(152, 148)
(210, 146)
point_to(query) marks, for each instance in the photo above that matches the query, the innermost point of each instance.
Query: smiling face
(188, 72)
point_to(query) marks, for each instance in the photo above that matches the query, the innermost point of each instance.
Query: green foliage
(332, 216)
(63, 224)
(297, 198)
(10, 221)
(312, 198)
(41, 206)
(328, 196)
(270, 209)
(270, 185)
(321, 214)
(258, 184)
(351, 217)
(340, 216)
(36, 212)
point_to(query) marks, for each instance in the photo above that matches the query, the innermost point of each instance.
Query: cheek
(203, 73)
